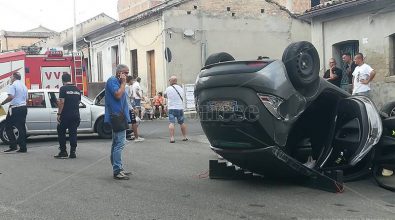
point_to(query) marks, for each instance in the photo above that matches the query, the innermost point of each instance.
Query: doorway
(151, 73)
(339, 49)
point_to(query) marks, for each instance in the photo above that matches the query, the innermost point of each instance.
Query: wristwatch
(59, 113)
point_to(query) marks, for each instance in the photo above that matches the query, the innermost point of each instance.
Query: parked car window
(36, 100)
(53, 98)
(101, 98)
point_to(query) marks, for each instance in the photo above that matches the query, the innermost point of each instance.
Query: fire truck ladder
(78, 71)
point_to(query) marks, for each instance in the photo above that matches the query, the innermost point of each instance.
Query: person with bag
(174, 94)
(117, 114)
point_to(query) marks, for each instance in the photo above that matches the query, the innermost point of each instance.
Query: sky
(57, 15)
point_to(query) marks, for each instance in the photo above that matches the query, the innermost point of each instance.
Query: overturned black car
(279, 119)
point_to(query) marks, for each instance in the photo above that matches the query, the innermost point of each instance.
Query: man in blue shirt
(116, 103)
(16, 117)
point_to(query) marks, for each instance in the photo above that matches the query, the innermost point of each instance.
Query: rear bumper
(270, 162)
(251, 126)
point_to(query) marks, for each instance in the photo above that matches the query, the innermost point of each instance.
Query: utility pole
(74, 31)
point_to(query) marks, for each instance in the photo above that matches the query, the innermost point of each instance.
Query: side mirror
(82, 105)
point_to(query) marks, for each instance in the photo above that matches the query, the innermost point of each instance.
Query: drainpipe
(323, 44)
(74, 30)
(164, 51)
(90, 59)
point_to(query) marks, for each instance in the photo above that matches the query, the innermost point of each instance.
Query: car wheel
(389, 109)
(103, 129)
(3, 133)
(218, 58)
(302, 63)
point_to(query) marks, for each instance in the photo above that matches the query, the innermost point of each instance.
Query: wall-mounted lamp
(189, 33)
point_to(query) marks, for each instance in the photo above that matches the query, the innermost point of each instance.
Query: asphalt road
(169, 181)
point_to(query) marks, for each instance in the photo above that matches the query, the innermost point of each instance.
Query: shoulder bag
(118, 120)
(178, 93)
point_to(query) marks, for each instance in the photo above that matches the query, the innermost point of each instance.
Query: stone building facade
(176, 36)
(358, 26)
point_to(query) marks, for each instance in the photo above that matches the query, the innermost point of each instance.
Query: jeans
(118, 143)
(71, 125)
(17, 119)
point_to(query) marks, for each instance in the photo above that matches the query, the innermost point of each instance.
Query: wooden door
(151, 73)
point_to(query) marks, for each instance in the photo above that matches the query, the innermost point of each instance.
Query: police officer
(68, 116)
(16, 116)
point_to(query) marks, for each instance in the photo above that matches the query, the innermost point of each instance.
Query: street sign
(189, 96)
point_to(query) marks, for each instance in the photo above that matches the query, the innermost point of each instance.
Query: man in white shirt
(175, 104)
(362, 76)
(16, 117)
(132, 114)
(137, 94)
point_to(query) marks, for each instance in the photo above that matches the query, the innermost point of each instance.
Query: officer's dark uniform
(69, 118)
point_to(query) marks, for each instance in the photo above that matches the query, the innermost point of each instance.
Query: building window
(134, 63)
(392, 55)
(36, 100)
(99, 67)
(315, 2)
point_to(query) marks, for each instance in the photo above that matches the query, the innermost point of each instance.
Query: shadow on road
(54, 138)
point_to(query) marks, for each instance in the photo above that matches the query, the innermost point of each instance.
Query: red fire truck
(40, 71)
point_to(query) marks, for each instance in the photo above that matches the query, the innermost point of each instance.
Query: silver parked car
(42, 115)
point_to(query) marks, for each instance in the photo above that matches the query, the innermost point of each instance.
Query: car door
(38, 115)
(53, 100)
(358, 128)
(85, 112)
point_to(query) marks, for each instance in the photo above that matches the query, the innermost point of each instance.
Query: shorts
(137, 103)
(367, 93)
(176, 113)
(132, 117)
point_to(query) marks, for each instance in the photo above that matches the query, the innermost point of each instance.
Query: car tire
(302, 63)
(218, 58)
(389, 109)
(103, 129)
(3, 134)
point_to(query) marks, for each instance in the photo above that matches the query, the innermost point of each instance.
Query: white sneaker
(139, 139)
(387, 172)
